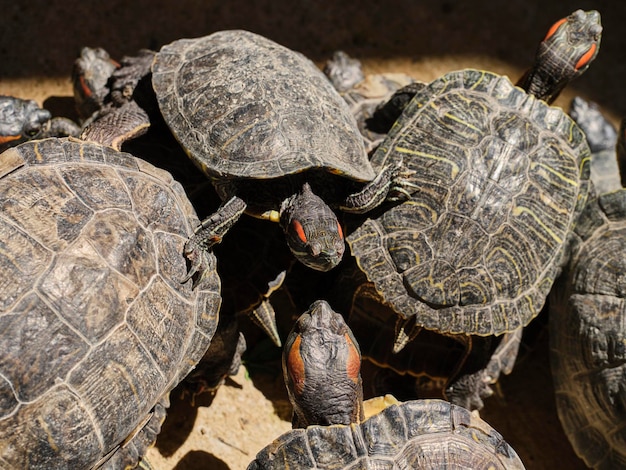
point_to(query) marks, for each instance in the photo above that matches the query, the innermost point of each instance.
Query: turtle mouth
(322, 261)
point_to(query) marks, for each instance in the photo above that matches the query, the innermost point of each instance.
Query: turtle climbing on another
(273, 135)
(95, 326)
(22, 120)
(321, 363)
(602, 139)
(587, 336)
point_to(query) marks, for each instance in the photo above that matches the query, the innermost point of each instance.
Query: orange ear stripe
(553, 28)
(353, 364)
(295, 366)
(586, 57)
(299, 230)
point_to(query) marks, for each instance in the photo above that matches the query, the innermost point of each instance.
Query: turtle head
(313, 232)
(321, 367)
(90, 76)
(20, 120)
(567, 50)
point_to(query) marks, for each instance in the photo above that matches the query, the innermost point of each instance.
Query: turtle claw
(199, 262)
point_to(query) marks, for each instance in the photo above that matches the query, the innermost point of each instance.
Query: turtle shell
(501, 179)
(413, 434)
(587, 336)
(244, 106)
(95, 326)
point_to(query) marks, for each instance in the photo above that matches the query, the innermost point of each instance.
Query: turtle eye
(297, 226)
(586, 57)
(554, 28)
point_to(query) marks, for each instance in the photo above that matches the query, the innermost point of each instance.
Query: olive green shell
(95, 326)
(501, 179)
(414, 434)
(588, 338)
(245, 107)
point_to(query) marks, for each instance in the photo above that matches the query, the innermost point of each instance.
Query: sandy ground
(39, 40)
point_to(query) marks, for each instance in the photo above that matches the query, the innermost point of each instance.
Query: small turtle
(321, 363)
(587, 335)
(602, 139)
(264, 123)
(95, 326)
(91, 74)
(22, 120)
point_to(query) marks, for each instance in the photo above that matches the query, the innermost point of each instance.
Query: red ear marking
(83, 85)
(299, 231)
(295, 366)
(553, 28)
(353, 363)
(339, 230)
(8, 138)
(586, 57)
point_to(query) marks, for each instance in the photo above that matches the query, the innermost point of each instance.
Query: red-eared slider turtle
(22, 120)
(587, 335)
(265, 124)
(602, 139)
(565, 53)
(321, 362)
(502, 177)
(95, 326)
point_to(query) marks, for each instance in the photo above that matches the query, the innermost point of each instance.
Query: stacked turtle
(474, 252)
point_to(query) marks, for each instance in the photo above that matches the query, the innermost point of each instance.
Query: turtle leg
(390, 184)
(469, 390)
(209, 233)
(115, 125)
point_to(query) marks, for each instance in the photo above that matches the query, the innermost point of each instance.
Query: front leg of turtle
(210, 232)
(312, 230)
(391, 184)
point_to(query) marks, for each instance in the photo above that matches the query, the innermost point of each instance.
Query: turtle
(264, 123)
(570, 46)
(321, 362)
(587, 335)
(602, 139)
(23, 119)
(95, 325)
(502, 178)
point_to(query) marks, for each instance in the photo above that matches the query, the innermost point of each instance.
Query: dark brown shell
(95, 326)
(244, 106)
(587, 335)
(501, 179)
(414, 434)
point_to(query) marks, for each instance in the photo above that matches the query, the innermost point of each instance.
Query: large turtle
(264, 123)
(588, 338)
(22, 120)
(95, 326)
(502, 177)
(321, 363)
